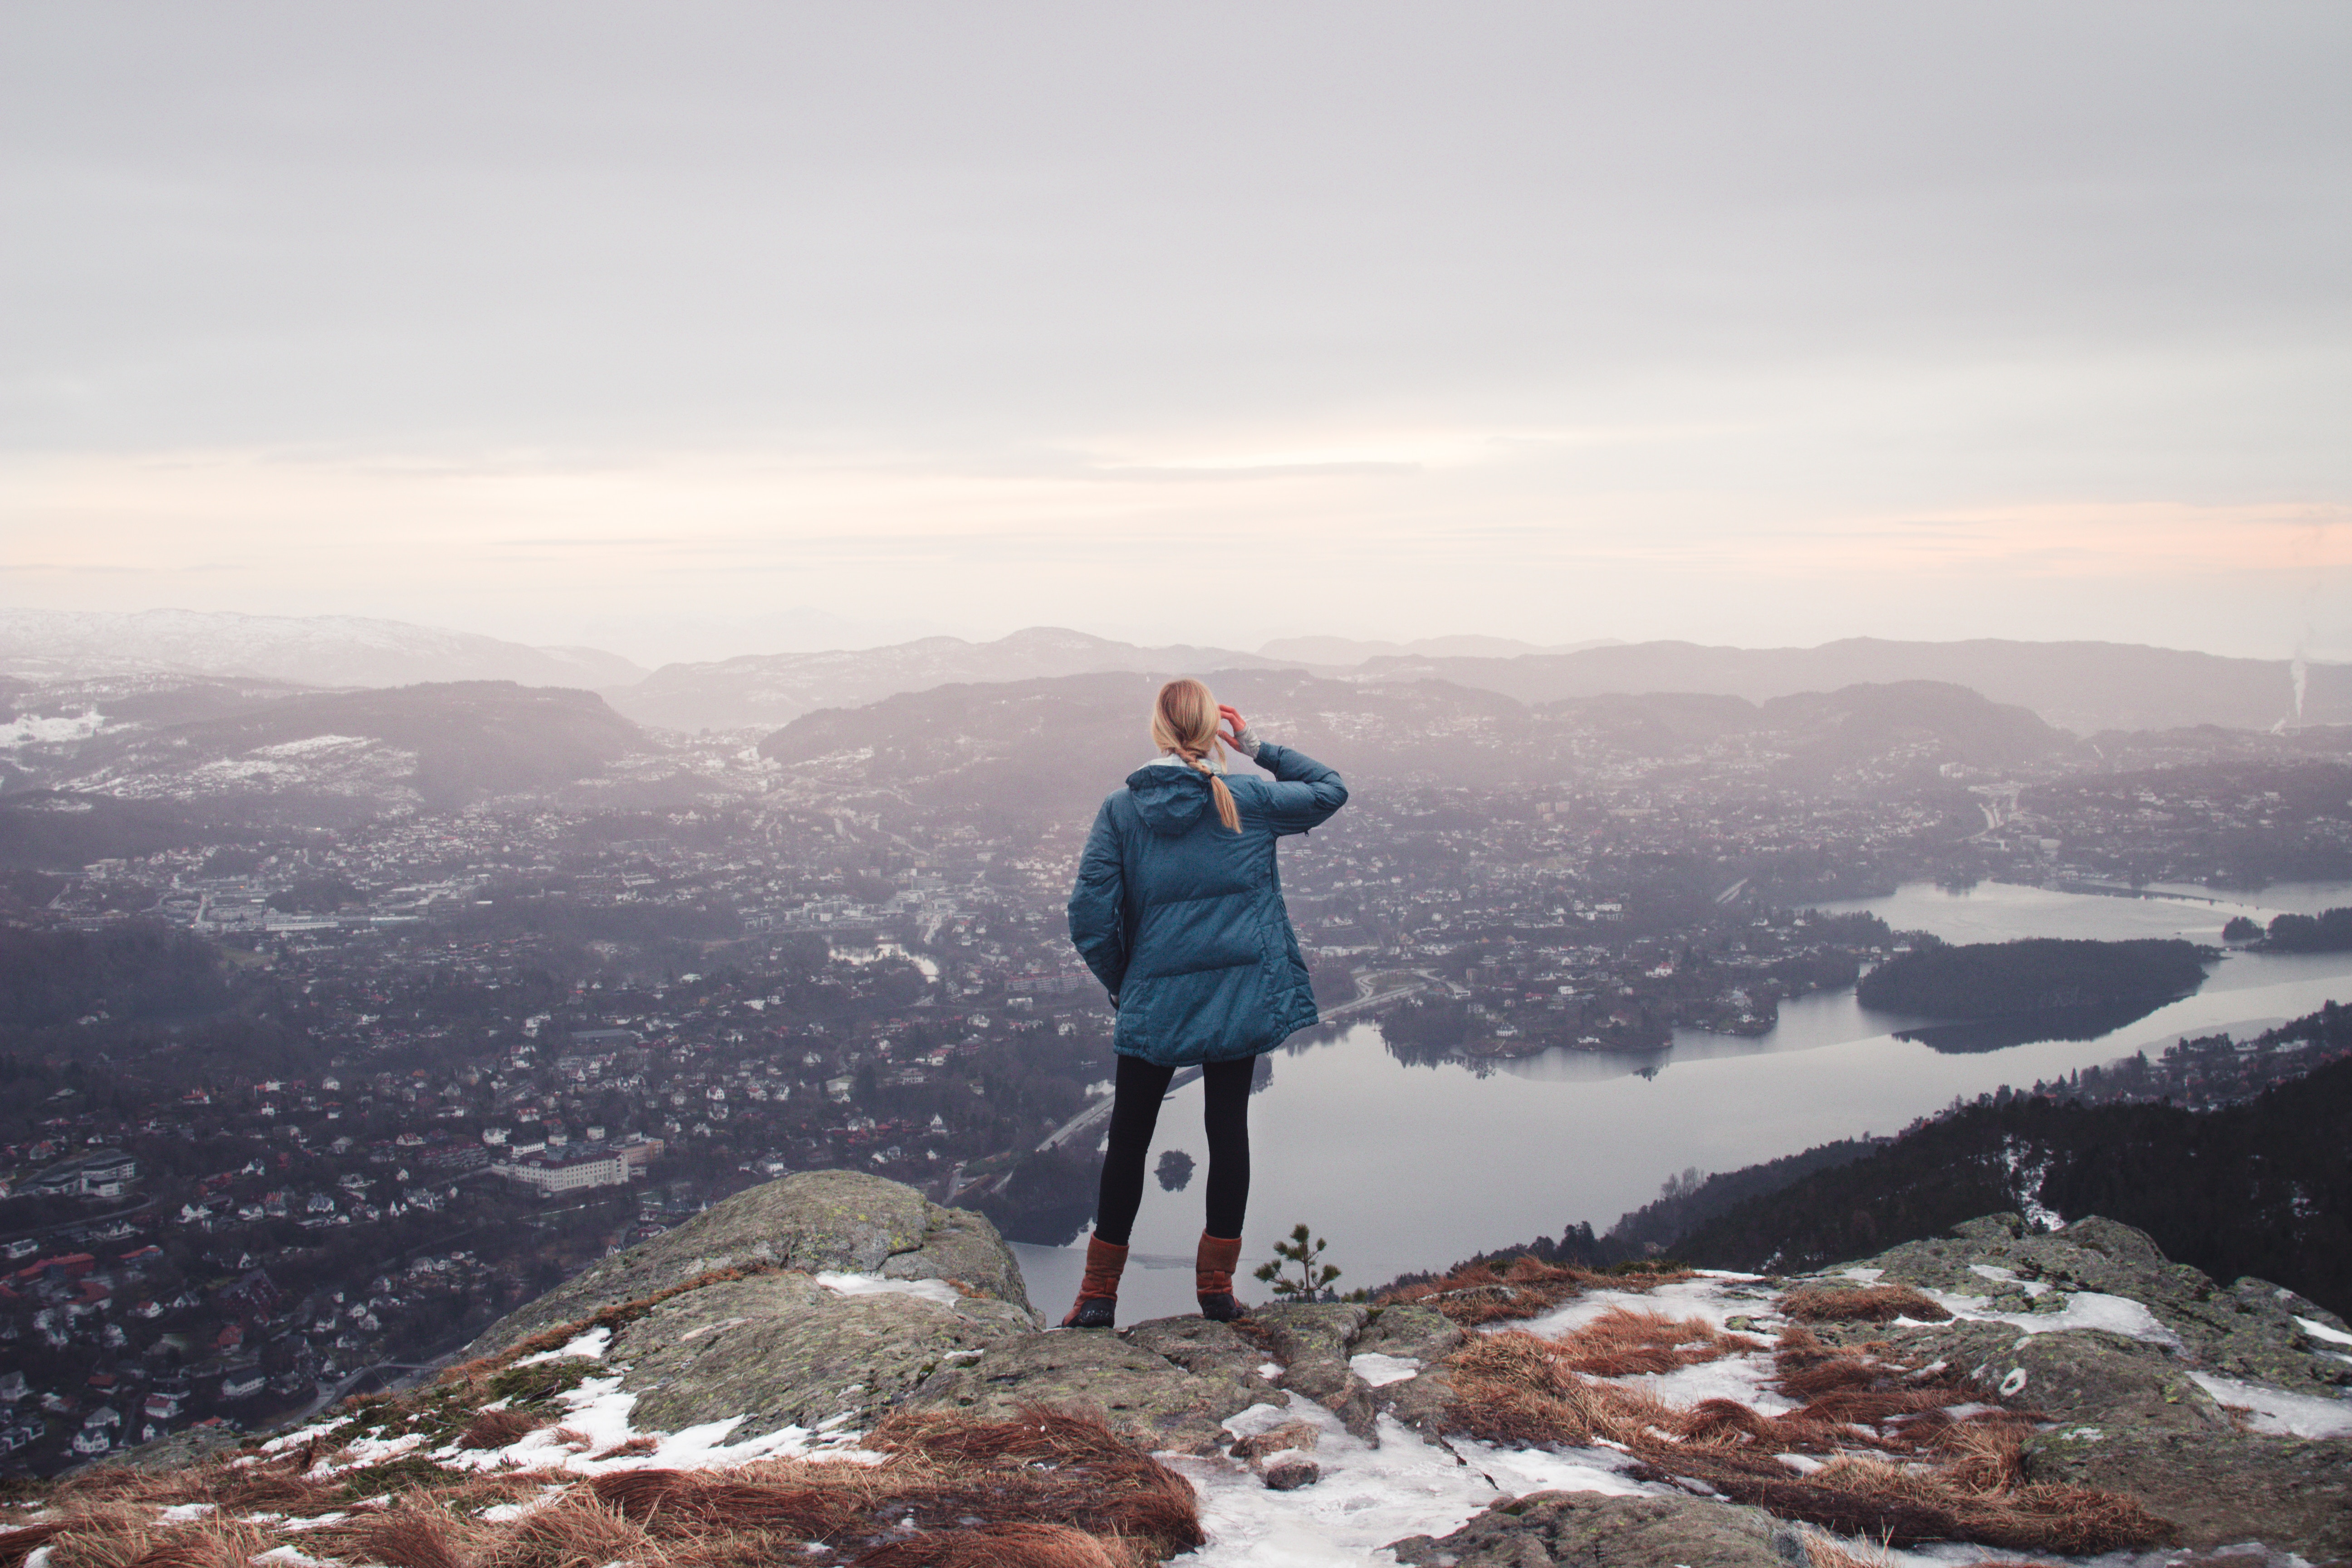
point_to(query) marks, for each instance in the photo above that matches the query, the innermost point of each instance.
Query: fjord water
(1408, 1167)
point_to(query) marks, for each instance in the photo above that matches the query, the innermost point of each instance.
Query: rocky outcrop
(2140, 1401)
(819, 1221)
(1137, 1392)
(1595, 1532)
(781, 1350)
(2247, 1330)
(731, 1316)
(2217, 1487)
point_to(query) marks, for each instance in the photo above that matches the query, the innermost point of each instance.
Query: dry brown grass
(1861, 1304)
(1823, 1551)
(628, 1448)
(997, 1546)
(1620, 1343)
(1482, 1293)
(1901, 1469)
(1047, 1488)
(498, 1428)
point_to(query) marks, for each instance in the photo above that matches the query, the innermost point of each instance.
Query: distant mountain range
(776, 688)
(2083, 687)
(313, 650)
(1346, 652)
(1047, 749)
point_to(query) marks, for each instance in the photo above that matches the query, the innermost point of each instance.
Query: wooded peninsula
(1985, 980)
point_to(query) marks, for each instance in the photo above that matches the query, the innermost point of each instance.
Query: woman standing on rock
(1178, 910)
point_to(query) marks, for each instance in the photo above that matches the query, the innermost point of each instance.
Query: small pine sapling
(1304, 1251)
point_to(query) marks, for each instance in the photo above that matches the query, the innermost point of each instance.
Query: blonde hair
(1185, 724)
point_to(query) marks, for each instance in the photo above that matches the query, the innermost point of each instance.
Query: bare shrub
(1861, 1304)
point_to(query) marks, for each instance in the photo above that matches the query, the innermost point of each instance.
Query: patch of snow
(1368, 1497)
(302, 1435)
(311, 745)
(938, 1290)
(591, 1346)
(2321, 1331)
(1727, 1274)
(1745, 1378)
(182, 1512)
(2083, 1309)
(1993, 1271)
(1269, 1370)
(38, 1557)
(293, 1558)
(507, 1513)
(1378, 1371)
(32, 730)
(366, 1451)
(320, 1522)
(2279, 1413)
(1689, 1298)
(598, 1410)
(1866, 1276)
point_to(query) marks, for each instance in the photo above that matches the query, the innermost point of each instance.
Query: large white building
(581, 1165)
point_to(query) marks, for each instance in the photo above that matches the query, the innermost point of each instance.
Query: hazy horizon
(655, 330)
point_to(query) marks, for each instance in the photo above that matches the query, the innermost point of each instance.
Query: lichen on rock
(1597, 1532)
(817, 1221)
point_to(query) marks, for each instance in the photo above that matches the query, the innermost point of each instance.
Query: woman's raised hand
(1234, 724)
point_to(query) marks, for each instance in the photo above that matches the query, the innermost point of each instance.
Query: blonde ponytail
(1185, 724)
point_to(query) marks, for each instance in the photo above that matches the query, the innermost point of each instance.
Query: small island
(1988, 980)
(2327, 933)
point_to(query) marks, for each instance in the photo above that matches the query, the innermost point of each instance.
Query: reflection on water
(2089, 1021)
(1411, 1166)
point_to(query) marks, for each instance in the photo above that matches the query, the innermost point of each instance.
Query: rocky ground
(1993, 1395)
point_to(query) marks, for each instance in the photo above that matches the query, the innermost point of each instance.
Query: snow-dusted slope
(314, 650)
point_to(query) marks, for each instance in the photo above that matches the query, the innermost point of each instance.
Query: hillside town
(294, 1111)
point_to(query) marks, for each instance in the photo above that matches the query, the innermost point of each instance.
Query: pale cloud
(576, 321)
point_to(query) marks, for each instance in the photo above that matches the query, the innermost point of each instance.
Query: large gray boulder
(1590, 1531)
(2128, 1415)
(2075, 1374)
(818, 1221)
(781, 1350)
(1152, 1401)
(2217, 1489)
(2246, 1331)
(1314, 1343)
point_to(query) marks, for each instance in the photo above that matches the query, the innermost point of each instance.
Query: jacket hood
(1169, 799)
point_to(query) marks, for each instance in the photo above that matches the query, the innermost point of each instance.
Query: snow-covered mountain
(769, 690)
(313, 650)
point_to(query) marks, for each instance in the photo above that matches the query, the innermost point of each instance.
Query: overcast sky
(667, 326)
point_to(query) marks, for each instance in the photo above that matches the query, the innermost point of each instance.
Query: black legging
(1135, 1110)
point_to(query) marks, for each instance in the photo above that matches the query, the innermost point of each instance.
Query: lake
(1404, 1167)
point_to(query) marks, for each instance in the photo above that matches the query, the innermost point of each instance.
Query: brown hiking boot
(1213, 1277)
(1097, 1303)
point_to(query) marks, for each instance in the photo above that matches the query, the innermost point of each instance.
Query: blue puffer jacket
(1184, 922)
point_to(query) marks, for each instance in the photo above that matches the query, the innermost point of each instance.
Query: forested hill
(2262, 1188)
(1986, 979)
